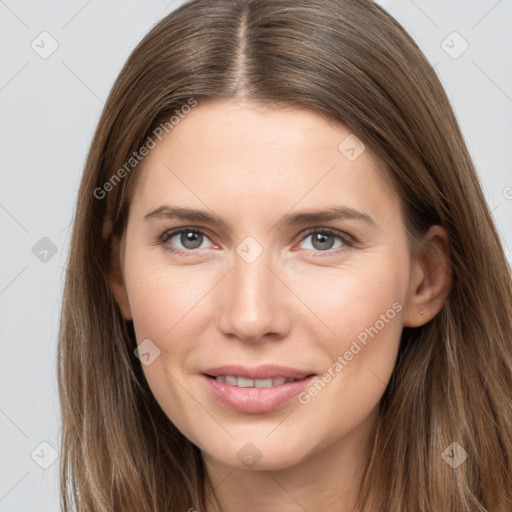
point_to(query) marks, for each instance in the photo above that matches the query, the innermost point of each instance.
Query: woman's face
(297, 265)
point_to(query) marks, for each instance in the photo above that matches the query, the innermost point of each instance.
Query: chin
(260, 454)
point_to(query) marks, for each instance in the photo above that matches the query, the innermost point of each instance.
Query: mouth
(256, 390)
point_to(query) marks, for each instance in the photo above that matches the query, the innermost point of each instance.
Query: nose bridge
(252, 301)
(251, 283)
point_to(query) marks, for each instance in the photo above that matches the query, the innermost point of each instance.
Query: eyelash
(348, 240)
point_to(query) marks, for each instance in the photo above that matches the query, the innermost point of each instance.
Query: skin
(299, 303)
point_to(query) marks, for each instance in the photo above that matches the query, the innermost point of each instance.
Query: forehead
(246, 154)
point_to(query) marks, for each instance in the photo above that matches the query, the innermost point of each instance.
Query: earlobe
(432, 279)
(116, 280)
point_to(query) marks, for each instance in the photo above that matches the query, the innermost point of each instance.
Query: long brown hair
(352, 62)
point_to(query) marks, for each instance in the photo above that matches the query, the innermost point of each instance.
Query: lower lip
(255, 400)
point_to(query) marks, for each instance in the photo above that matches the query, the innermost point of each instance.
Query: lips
(255, 390)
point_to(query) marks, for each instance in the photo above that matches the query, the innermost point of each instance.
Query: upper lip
(266, 371)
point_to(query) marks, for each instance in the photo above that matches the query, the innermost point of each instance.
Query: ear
(115, 277)
(431, 279)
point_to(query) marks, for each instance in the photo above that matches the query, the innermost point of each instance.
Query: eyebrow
(290, 219)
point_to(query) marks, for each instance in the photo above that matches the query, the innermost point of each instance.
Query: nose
(252, 301)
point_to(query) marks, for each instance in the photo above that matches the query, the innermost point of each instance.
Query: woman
(285, 290)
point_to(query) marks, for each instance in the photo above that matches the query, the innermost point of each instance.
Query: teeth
(243, 382)
(263, 383)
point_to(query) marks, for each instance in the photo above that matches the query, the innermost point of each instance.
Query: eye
(324, 240)
(190, 239)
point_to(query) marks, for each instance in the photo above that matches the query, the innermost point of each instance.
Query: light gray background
(49, 109)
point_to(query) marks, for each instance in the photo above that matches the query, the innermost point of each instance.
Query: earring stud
(421, 312)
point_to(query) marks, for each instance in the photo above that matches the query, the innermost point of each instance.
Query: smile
(243, 382)
(255, 389)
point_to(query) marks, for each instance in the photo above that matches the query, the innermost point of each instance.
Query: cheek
(358, 359)
(167, 309)
(171, 306)
(349, 300)
(363, 310)
(162, 297)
